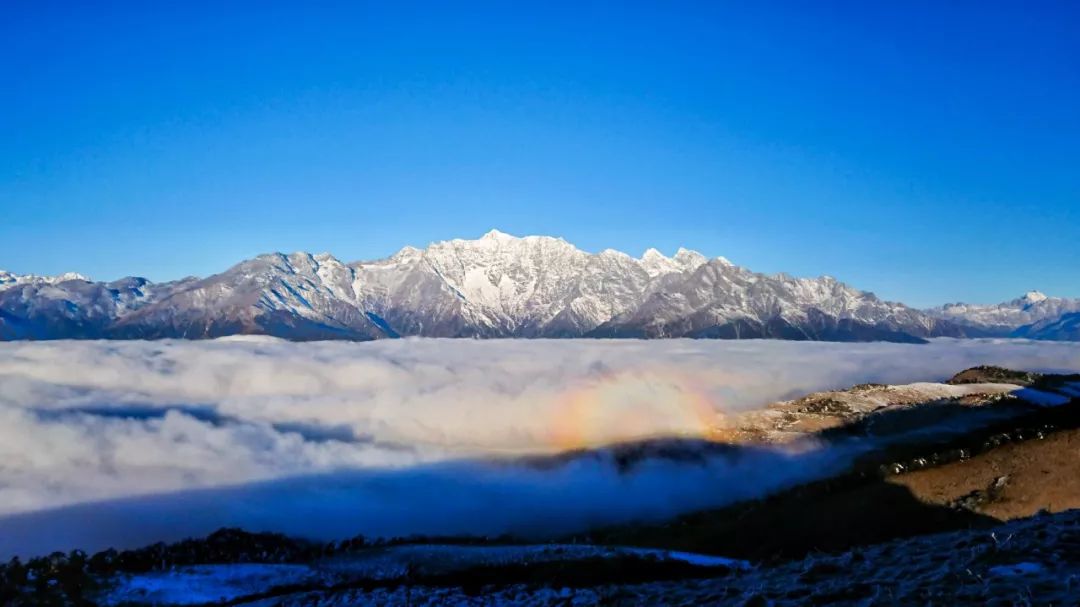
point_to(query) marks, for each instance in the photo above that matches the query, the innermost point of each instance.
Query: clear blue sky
(927, 151)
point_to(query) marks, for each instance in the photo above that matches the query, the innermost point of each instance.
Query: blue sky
(927, 151)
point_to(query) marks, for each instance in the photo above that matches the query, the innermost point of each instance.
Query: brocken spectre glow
(635, 404)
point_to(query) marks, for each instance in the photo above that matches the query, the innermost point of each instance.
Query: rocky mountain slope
(495, 286)
(1063, 328)
(298, 296)
(71, 306)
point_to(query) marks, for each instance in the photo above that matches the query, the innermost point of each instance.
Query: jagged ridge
(495, 286)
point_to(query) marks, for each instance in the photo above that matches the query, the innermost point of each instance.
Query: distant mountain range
(500, 286)
(1033, 316)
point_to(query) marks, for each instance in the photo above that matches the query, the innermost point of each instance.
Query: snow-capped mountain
(720, 300)
(7, 279)
(71, 305)
(501, 286)
(1009, 317)
(299, 296)
(496, 286)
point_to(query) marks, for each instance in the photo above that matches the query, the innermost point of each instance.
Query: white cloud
(86, 421)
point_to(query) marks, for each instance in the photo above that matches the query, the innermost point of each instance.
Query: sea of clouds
(126, 443)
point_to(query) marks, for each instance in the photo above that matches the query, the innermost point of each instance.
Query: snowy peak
(652, 255)
(10, 279)
(498, 236)
(499, 248)
(499, 245)
(656, 263)
(505, 285)
(66, 276)
(688, 260)
(1032, 297)
(1005, 318)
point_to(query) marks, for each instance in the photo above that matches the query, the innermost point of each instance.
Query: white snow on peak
(656, 263)
(688, 260)
(502, 284)
(407, 254)
(1032, 307)
(496, 235)
(10, 279)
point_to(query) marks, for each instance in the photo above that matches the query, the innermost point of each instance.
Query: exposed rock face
(299, 296)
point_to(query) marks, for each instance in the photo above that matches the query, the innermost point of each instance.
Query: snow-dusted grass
(701, 560)
(199, 584)
(1025, 562)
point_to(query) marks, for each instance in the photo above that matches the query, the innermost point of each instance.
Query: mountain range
(501, 286)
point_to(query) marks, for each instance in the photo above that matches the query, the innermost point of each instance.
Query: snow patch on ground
(192, 585)
(700, 560)
(197, 584)
(1016, 569)
(957, 568)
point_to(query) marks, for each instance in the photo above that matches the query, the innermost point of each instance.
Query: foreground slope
(1031, 561)
(1027, 561)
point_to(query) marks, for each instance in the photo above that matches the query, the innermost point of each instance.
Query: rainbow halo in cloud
(632, 405)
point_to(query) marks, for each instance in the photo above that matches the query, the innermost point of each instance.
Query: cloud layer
(378, 425)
